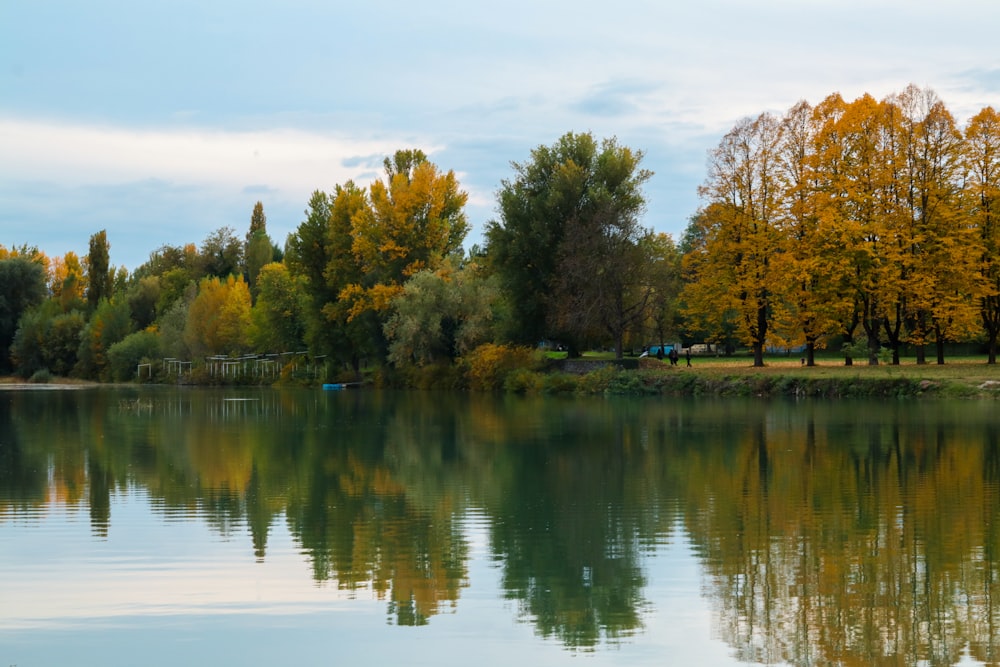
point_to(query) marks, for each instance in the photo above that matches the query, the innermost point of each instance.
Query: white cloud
(291, 162)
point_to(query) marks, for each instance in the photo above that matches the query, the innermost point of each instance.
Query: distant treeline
(865, 225)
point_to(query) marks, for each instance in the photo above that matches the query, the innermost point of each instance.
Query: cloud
(276, 160)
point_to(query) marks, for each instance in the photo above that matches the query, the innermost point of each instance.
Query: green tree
(48, 339)
(100, 275)
(143, 297)
(663, 319)
(259, 249)
(440, 316)
(136, 348)
(22, 286)
(568, 245)
(110, 323)
(321, 258)
(277, 316)
(221, 253)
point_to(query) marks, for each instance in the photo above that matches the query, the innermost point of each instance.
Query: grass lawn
(972, 371)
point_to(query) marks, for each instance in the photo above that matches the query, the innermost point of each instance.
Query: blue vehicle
(653, 351)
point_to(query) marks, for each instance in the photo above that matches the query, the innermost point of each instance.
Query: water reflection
(838, 533)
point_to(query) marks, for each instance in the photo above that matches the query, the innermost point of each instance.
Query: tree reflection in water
(828, 533)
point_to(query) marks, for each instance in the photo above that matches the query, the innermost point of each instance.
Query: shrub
(524, 381)
(125, 355)
(488, 365)
(41, 376)
(560, 383)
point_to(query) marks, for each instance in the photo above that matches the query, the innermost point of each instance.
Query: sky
(161, 122)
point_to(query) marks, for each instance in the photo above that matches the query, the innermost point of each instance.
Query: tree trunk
(921, 355)
(811, 353)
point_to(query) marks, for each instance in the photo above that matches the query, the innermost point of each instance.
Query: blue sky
(163, 121)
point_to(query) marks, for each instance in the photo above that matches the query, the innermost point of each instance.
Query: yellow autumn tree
(811, 306)
(940, 250)
(733, 270)
(67, 279)
(414, 218)
(219, 319)
(981, 203)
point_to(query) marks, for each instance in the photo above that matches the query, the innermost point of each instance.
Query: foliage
(439, 315)
(143, 297)
(218, 320)
(125, 355)
(321, 259)
(67, 281)
(172, 325)
(414, 219)
(22, 286)
(41, 376)
(277, 317)
(110, 323)
(100, 275)
(47, 338)
(488, 365)
(221, 254)
(259, 250)
(568, 247)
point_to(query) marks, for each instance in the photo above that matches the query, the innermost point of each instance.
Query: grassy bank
(967, 376)
(707, 376)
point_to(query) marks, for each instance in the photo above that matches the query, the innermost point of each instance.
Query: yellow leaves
(410, 224)
(67, 280)
(219, 317)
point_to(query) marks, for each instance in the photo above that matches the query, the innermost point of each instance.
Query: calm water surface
(238, 527)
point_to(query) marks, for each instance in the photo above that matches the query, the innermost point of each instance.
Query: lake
(166, 526)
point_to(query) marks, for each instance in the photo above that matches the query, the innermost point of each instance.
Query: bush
(42, 376)
(523, 381)
(125, 355)
(488, 365)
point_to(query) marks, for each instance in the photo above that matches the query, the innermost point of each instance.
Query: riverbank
(965, 377)
(710, 376)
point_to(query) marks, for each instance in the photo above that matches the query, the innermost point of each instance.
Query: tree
(321, 257)
(982, 205)
(48, 339)
(278, 323)
(22, 286)
(142, 299)
(809, 307)
(218, 320)
(665, 281)
(414, 219)
(110, 323)
(733, 270)
(125, 355)
(221, 253)
(68, 282)
(568, 247)
(99, 273)
(259, 249)
(440, 316)
(940, 251)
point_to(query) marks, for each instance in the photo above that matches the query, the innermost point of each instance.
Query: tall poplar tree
(99, 274)
(258, 249)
